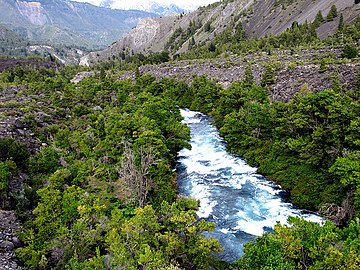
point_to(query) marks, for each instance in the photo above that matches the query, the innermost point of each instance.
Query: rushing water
(242, 203)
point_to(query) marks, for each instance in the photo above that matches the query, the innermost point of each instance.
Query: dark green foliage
(7, 170)
(81, 110)
(284, 3)
(112, 155)
(158, 58)
(341, 24)
(319, 19)
(206, 93)
(304, 245)
(207, 27)
(349, 52)
(268, 76)
(289, 142)
(332, 13)
(180, 36)
(323, 65)
(249, 76)
(46, 161)
(171, 42)
(212, 47)
(114, 146)
(10, 149)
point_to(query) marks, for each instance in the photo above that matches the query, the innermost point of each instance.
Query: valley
(199, 140)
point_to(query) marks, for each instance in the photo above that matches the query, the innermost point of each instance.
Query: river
(242, 203)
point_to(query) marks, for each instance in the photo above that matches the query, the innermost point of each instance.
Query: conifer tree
(341, 23)
(249, 76)
(319, 19)
(332, 14)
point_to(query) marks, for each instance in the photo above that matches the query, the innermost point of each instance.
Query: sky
(126, 4)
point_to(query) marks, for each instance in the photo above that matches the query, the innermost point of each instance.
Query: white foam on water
(224, 231)
(266, 186)
(259, 216)
(201, 193)
(186, 113)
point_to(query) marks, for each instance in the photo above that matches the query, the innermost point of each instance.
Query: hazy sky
(130, 3)
(185, 2)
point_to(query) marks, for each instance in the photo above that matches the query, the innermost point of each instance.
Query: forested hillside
(227, 26)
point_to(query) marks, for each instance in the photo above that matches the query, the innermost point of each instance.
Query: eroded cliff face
(147, 29)
(33, 11)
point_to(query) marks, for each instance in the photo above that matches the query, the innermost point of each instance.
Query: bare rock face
(147, 29)
(339, 215)
(334, 213)
(33, 11)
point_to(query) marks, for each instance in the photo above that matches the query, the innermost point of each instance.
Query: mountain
(68, 23)
(149, 6)
(177, 33)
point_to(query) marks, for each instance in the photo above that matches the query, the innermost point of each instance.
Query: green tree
(319, 19)
(301, 245)
(341, 24)
(206, 93)
(212, 47)
(268, 76)
(332, 13)
(249, 76)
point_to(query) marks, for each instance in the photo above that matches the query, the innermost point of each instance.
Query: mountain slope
(259, 18)
(9, 38)
(67, 23)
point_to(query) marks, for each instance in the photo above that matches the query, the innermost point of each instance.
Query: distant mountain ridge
(149, 6)
(67, 23)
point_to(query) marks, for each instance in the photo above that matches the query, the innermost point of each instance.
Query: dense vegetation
(101, 192)
(108, 148)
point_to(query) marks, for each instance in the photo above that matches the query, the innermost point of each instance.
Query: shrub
(349, 52)
(10, 149)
